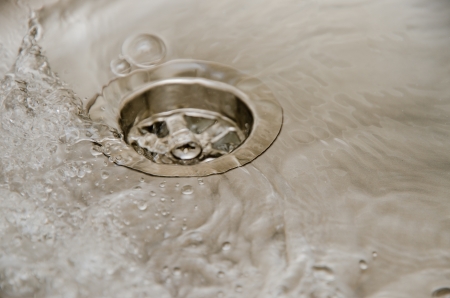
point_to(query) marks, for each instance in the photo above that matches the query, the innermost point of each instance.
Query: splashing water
(350, 201)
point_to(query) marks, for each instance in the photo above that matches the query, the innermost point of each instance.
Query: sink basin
(350, 199)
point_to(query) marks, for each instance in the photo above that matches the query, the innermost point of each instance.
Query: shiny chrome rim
(266, 113)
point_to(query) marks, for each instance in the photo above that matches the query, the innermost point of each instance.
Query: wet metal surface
(154, 111)
(351, 200)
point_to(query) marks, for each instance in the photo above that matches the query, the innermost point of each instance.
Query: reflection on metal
(187, 118)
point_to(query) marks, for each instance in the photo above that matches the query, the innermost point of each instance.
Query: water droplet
(117, 223)
(176, 271)
(87, 168)
(220, 274)
(323, 272)
(152, 193)
(144, 50)
(441, 292)
(137, 187)
(162, 184)
(120, 67)
(142, 179)
(177, 185)
(200, 181)
(105, 175)
(195, 238)
(226, 246)
(187, 190)
(374, 254)
(142, 205)
(239, 289)
(81, 173)
(363, 265)
(163, 199)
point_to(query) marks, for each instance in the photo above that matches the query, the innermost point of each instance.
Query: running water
(350, 201)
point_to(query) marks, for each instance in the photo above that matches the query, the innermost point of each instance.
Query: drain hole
(185, 124)
(197, 124)
(158, 128)
(185, 118)
(187, 151)
(227, 143)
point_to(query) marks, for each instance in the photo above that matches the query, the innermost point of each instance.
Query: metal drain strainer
(186, 118)
(186, 136)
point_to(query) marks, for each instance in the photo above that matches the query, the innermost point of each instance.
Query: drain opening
(186, 118)
(185, 124)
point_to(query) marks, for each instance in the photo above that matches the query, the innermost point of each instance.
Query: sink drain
(185, 123)
(187, 118)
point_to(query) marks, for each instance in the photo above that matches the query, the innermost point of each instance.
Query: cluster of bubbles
(40, 118)
(138, 52)
(47, 202)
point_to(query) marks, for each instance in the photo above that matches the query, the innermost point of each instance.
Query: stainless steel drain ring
(232, 93)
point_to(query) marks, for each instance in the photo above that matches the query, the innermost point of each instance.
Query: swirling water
(352, 200)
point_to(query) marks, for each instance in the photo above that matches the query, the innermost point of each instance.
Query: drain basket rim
(266, 112)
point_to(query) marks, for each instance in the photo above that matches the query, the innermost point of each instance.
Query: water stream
(351, 200)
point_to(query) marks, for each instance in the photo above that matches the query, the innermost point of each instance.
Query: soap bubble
(144, 50)
(120, 67)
